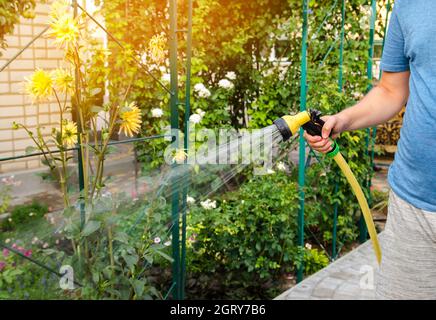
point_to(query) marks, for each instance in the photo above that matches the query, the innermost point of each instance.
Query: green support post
(79, 142)
(186, 145)
(363, 232)
(371, 44)
(340, 88)
(302, 142)
(335, 227)
(341, 49)
(174, 129)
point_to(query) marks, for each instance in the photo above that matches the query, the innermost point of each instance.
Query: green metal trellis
(340, 89)
(302, 149)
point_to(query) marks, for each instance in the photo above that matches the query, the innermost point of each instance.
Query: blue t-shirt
(411, 45)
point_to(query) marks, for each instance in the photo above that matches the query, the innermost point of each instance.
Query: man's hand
(333, 124)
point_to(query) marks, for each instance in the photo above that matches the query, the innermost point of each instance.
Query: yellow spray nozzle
(295, 122)
(289, 125)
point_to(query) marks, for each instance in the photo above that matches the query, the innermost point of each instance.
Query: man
(408, 267)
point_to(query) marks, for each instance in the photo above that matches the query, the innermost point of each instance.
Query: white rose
(226, 84)
(144, 58)
(166, 77)
(156, 112)
(195, 118)
(190, 200)
(199, 86)
(202, 91)
(281, 166)
(200, 112)
(179, 156)
(208, 204)
(231, 75)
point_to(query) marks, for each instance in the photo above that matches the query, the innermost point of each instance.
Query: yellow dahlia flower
(157, 48)
(64, 29)
(63, 80)
(179, 156)
(58, 8)
(39, 85)
(69, 133)
(130, 117)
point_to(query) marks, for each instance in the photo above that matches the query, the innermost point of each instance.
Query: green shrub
(24, 213)
(248, 240)
(10, 13)
(5, 198)
(22, 279)
(313, 259)
(380, 200)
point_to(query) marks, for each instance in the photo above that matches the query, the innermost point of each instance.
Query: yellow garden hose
(345, 168)
(311, 122)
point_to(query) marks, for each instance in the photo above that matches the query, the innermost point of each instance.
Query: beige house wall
(14, 104)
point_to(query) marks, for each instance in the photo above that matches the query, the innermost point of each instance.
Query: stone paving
(341, 280)
(348, 278)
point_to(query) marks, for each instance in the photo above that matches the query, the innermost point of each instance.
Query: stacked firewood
(389, 133)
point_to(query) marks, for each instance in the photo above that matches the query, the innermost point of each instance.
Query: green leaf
(131, 259)
(138, 286)
(90, 227)
(107, 272)
(149, 258)
(164, 255)
(122, 237)
(96, 109)
(95, 277)
(30, 150)
(49, 251)
(95, 91)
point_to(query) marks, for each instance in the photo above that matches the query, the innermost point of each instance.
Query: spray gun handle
(314, 128)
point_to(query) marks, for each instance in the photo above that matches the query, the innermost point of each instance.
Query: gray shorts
(408, 267)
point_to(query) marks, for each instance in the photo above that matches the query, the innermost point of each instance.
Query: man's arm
(382, 103)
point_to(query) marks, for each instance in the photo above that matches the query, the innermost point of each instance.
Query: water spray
(311, 122)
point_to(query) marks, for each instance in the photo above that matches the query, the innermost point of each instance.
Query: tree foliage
(10, 13)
